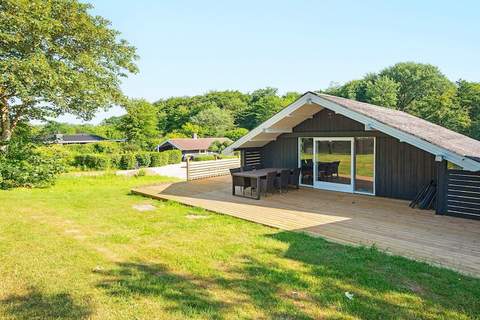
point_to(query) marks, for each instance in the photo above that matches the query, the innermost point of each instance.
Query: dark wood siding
(328, 121)
(281, 153)
(401, 169)
(463, 194)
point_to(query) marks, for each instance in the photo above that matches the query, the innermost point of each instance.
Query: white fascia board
(268, 123)
(281, 130)
(464, 162)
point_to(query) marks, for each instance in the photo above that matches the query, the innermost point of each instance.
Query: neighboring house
(349, 146)
(190, 146)
(78, 138)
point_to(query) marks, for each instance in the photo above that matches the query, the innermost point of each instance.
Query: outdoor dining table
(257, 174)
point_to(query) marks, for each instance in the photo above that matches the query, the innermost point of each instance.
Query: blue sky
(191, 47)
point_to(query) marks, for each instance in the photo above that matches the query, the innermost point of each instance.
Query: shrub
(26, 167)
(204, 158)
(158, 159)
(140, 173)
(115, 160)
(107, 147)
(65, 156)
(143, 159)
(92, 161)
(128, 161)
(174, 156)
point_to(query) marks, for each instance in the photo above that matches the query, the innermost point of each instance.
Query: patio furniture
(328, 169)
(281, 182)
(334, 167)
(267, 185)
(295, 178)
(256, 176)
(307, 171)
(237, 181)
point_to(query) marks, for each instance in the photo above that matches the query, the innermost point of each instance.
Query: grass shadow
(383, 284)
(187, 296)
(37, 305)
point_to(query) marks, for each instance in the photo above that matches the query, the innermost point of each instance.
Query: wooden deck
(345, 218)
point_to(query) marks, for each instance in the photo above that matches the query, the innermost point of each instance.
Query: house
(78, 138)
(349, 146)
(190, 146)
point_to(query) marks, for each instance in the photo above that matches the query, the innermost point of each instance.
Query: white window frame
(351, 188)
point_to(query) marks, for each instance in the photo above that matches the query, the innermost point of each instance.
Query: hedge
(174, 156)
(128, 161)
(144, 159)
(101, 161)
(92, 161)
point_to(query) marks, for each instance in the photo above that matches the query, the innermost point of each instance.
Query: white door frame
(331, 185)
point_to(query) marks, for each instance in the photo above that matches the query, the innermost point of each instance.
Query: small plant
(140, 173)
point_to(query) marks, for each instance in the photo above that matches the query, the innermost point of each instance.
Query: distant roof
(442, 142)
(186, 144)
(76, 138)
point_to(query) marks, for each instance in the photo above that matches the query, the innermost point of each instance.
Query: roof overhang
(309, 104)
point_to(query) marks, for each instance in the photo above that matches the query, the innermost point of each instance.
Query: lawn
(80, 250)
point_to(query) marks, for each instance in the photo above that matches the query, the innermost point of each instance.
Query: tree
(262, 105)
(416, 81)
(468, 97)
(382, 92)
(214, 121)
(56, 58)
(236, 134)
(139, 125)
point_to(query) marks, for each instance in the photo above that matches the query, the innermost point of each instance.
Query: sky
(192, 47)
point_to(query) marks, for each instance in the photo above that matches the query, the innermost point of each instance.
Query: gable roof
(443, 143)
(186, 144)
(75, 138)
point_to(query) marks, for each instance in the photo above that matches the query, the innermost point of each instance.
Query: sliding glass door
(339, 164)
(333, 164)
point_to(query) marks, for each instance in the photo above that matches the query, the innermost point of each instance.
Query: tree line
(415, 88)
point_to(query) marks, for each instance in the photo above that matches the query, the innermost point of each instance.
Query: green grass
(79, 250)
(364, 162)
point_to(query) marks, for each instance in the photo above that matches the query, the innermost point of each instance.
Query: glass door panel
(333, 163)
(306, 161)
(365, 165)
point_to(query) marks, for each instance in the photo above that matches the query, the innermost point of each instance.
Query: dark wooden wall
(401, 169)
(463, 194)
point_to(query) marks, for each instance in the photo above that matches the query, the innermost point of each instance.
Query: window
(365, 165)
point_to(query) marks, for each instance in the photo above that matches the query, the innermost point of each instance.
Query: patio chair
(241, 182)
(307, 171)
(268, 185)
(294, 178)
(248, 168)
(334, 167)
(283, 180)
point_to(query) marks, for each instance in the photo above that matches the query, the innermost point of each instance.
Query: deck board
(345, 218)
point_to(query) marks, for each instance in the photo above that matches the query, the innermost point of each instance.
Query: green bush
(92, 161)
(107, 147)
(128, 161)
(174, 156)
(115, 160)
(204, 158)
(158, 159)
(26, 167)
(65, 156)
(143, 159)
